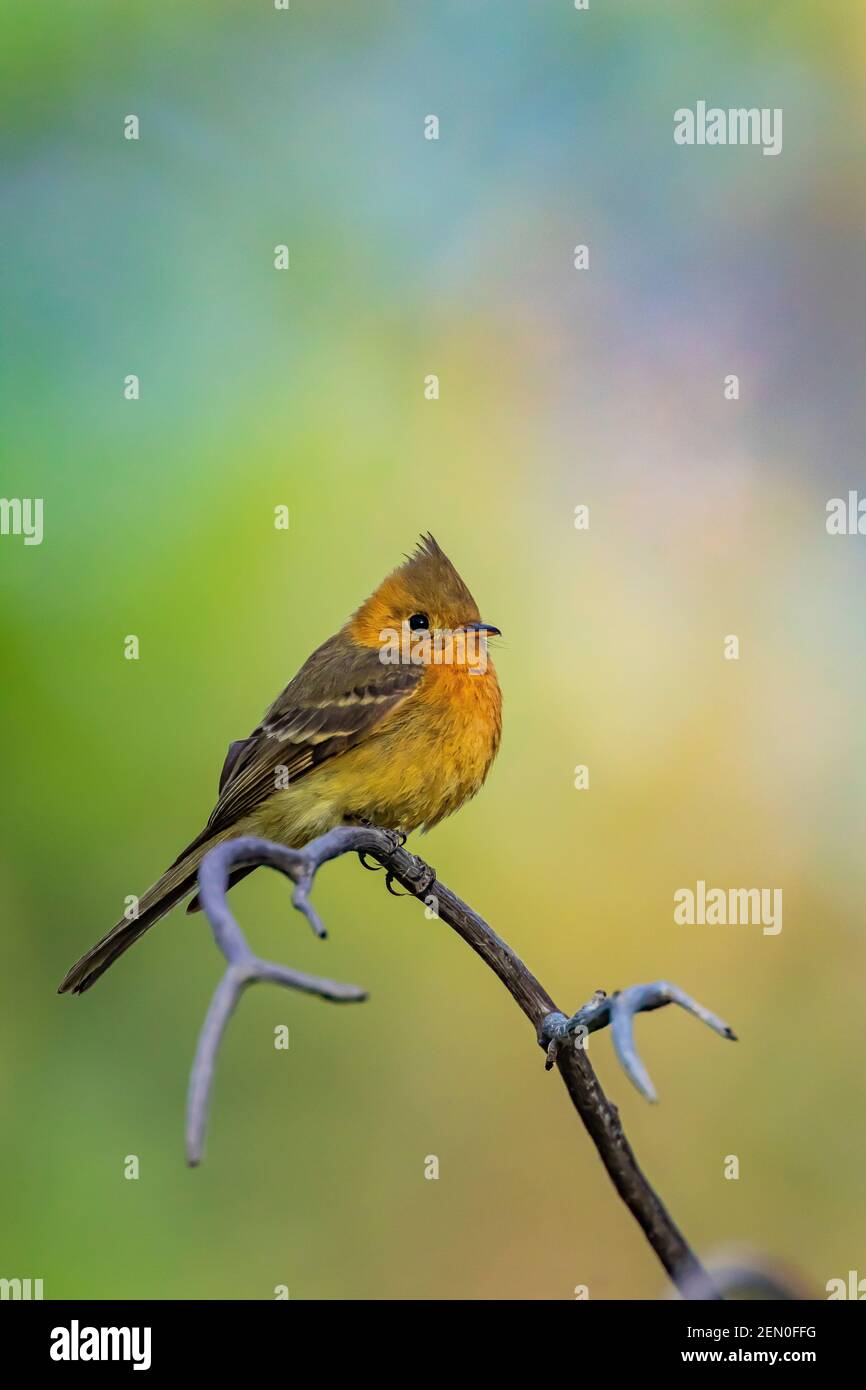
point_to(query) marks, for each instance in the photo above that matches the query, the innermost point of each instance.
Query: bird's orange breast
(460, 723)
(425, 760)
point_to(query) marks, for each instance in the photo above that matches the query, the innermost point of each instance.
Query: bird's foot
(618, 1010)
(419, 881)
(423, 876)
(397, 838)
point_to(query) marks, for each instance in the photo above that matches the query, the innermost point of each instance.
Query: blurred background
(558, 387)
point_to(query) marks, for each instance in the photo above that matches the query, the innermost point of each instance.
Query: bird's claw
(618, 1010)
(396, 837)
(419, 886)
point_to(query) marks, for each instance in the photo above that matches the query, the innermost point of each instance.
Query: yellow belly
(421, 765)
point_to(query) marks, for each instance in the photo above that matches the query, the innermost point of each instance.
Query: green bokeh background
(557, 388)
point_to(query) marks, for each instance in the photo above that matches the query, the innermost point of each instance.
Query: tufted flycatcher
(394, 721)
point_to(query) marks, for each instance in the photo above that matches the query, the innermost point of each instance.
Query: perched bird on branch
(394, 722)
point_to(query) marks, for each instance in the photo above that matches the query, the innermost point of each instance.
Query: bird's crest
(426, 582)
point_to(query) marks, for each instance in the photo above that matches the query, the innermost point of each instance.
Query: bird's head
(424, 595)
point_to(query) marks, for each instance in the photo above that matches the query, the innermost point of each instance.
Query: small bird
(394, 721)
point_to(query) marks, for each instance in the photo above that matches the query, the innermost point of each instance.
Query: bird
(394, 722)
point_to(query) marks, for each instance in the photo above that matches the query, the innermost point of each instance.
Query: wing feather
(337, 699)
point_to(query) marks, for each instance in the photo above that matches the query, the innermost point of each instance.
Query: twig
(560, 1036)
(243, 968)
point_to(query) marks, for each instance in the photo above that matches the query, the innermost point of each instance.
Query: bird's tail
(175, 884)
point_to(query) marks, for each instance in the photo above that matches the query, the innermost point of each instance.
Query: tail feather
(194, 904)
(175, 884)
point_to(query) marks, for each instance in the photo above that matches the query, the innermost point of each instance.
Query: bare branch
(618, 1010)
(560, 1036)
(244, 968)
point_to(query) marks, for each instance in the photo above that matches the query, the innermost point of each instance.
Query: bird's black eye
(418, 620)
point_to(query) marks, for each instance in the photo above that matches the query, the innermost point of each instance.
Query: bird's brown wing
(235, 751)
(337, 699)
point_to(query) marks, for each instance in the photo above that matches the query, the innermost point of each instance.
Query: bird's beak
(487, 628)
